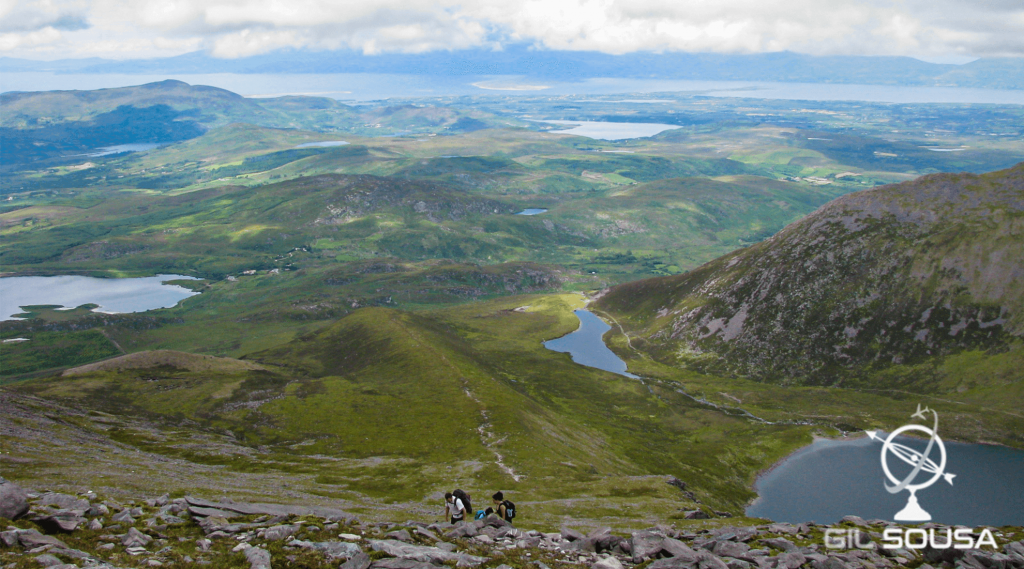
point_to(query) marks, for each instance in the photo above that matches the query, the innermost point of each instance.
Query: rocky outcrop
(261, 536)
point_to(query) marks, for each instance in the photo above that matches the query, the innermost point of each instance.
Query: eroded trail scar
(487, 436)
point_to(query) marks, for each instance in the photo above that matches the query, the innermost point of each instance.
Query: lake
(70, 291)
(611, 130)
(131, 147)
(830, 479)
(587, 347)
(323, 144)
(532, 211)
(376, 86)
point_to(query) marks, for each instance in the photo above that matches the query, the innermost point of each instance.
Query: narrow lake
(70, 291)
(586, 345)
(532, 211)
(121, 148)
(830, 479)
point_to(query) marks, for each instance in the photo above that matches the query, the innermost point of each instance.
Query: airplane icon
(920, 412)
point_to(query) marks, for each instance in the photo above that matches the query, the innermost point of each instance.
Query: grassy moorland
(385, 307)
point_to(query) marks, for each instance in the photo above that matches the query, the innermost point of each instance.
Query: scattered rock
(730, 549)
(47, 560)
(400, 535)
(337, 549)
(424, 553)
(258, 558)
(135, 538)
(124, 516)
(646, 544)
(13, 500)
(30, 539)
(398, 563)
(60, 521)
(607, 563)
(248, 509)
(358, 561)
(855, 520)
(63, 501)
(570, 534)
(278, 533)
(780, 543)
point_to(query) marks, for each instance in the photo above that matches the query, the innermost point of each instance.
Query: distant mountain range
(997, 73)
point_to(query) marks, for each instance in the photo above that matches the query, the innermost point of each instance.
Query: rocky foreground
(63, 531)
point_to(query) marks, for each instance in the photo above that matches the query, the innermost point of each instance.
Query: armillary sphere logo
(920, 461)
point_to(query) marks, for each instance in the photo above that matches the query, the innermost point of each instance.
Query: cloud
(28, 17)
(237, 28)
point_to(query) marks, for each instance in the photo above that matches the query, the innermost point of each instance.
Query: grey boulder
(13, 500)
(258, 558)
(358, 561)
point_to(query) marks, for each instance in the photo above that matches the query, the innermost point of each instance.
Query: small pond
(70, 291)
(830, 479)
(531, 211)
(587, 347)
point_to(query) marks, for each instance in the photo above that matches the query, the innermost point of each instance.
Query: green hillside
(887, 287)
(464, 396)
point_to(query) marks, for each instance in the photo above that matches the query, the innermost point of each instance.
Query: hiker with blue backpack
(456, 505)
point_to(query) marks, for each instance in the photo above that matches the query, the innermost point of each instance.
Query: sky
(951, 31)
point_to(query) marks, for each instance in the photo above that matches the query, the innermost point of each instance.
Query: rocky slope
(878, 278)
(69, 531)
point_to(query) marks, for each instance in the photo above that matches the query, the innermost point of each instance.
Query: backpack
(510, 510)
(480, 514)
(465, 500)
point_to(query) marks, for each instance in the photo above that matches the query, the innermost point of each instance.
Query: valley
(370, 320)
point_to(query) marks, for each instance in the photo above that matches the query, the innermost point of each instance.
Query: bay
(377, 86)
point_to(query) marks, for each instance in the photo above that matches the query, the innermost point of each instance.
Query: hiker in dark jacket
(505, 509)
(454, 507)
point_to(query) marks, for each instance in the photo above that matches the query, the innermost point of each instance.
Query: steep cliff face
(885, 276)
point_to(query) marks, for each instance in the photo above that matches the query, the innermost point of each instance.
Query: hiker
(454, 507)
(505, 509)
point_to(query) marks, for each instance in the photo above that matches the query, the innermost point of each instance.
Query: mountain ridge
(785, 66)
(881, 277)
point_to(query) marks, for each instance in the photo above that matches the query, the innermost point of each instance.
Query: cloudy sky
(939, 30)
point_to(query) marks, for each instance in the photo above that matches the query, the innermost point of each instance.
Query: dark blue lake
(586, 345)
(830, 479)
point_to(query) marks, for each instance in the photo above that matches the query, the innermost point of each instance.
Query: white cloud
(28, 17)
(235, 28)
